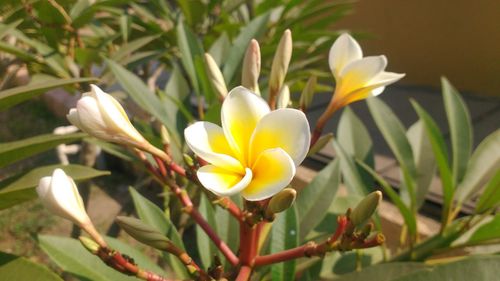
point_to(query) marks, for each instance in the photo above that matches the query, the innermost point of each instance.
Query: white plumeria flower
(100, 115)
(60, 196)
(357, 77)
(255, 152)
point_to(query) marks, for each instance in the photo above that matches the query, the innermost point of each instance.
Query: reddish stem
(244, 274)
(247, 243)
(286, 255)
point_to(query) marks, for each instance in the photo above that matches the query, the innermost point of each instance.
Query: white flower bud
(284, 97)
(215, 76)
(280, 62)
(251, 67)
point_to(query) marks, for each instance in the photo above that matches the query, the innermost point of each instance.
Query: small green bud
(308, 92)
(365, 209)
(188, 160)
(144, 233)
(215, 76)
(165, 136)
(251, 67)
(281, 201)
(89, 244)
(322, 142)
(281, 61)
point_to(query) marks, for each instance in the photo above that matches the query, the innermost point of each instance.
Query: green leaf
(487, 231)
(350, 172)
(477, 268)
(193, 10)
(407, 214)
(73, 258)
(395, 135)
(316, 197)
(484, 162)
(490, 198)
(149, 213)
(21, 188)
(440, 153)
(424, 161)
(113, 149)
(141, 94)
(356, 141)
(5, 28)
(220, 48)
(228, 227)
(206, 248)
(21, 269)
(13, 96)
(11, 152)
(253, 29)
(128, 48)
(190, 48)
(460, 130)
(284, 235)
(383, 272)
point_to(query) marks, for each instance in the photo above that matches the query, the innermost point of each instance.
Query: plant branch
(244, 274)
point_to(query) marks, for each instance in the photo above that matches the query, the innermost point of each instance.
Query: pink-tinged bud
(280, 63)
(251, 67)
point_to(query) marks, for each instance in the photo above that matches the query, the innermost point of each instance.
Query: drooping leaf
(484, 162)
(316, 197)
(73, 258)
(21, 269)
(253, 29)
(460, 130)
(13, 96)
(154, 216)
(424, 160)
(11, 152)
(395, 135)
(206, 248)
(284, 235)
(21, 188)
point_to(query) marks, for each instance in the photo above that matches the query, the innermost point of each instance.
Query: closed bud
(251, 67)
(215, 76)
(308, 92)
(280, 62)
(145, 234)
(165, 136)
(365, 209)
(284, 97)
(188, 160)
(318, 145)
(281, 201)
(89, 244)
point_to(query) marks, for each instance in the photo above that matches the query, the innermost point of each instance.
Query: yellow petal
(223, 182)
(241, 111)
(285, 128)
(343, 51)
(207, 140)
(272, 172)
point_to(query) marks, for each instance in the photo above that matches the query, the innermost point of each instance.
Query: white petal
(386, 78)
(114, 115)
(359, 73)
(272, 172)
(223, 182)
(207, 140)
(43, 186)
(241, 111)
(285, 128)
(74, 119)
(90, 117)
(343, 51)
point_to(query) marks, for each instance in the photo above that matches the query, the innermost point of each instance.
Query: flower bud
(215, 76)
(89, 244)
(308, 92)
(100, 115)
(59, 194)
(318, 145)
(280, 62)
(188, 160)
(165, 136)
(284, 97)
(145, 233)
(251, 67)
(365, 209)
(281, 201)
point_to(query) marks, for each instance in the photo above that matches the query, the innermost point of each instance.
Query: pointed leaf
(206, 248)
(21, 269)
(487, 231)
(284, 235)
(490, 198)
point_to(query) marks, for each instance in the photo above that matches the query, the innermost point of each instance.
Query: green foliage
(284, 235)
(18, 268)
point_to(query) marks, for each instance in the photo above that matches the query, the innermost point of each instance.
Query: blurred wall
(429, 38)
